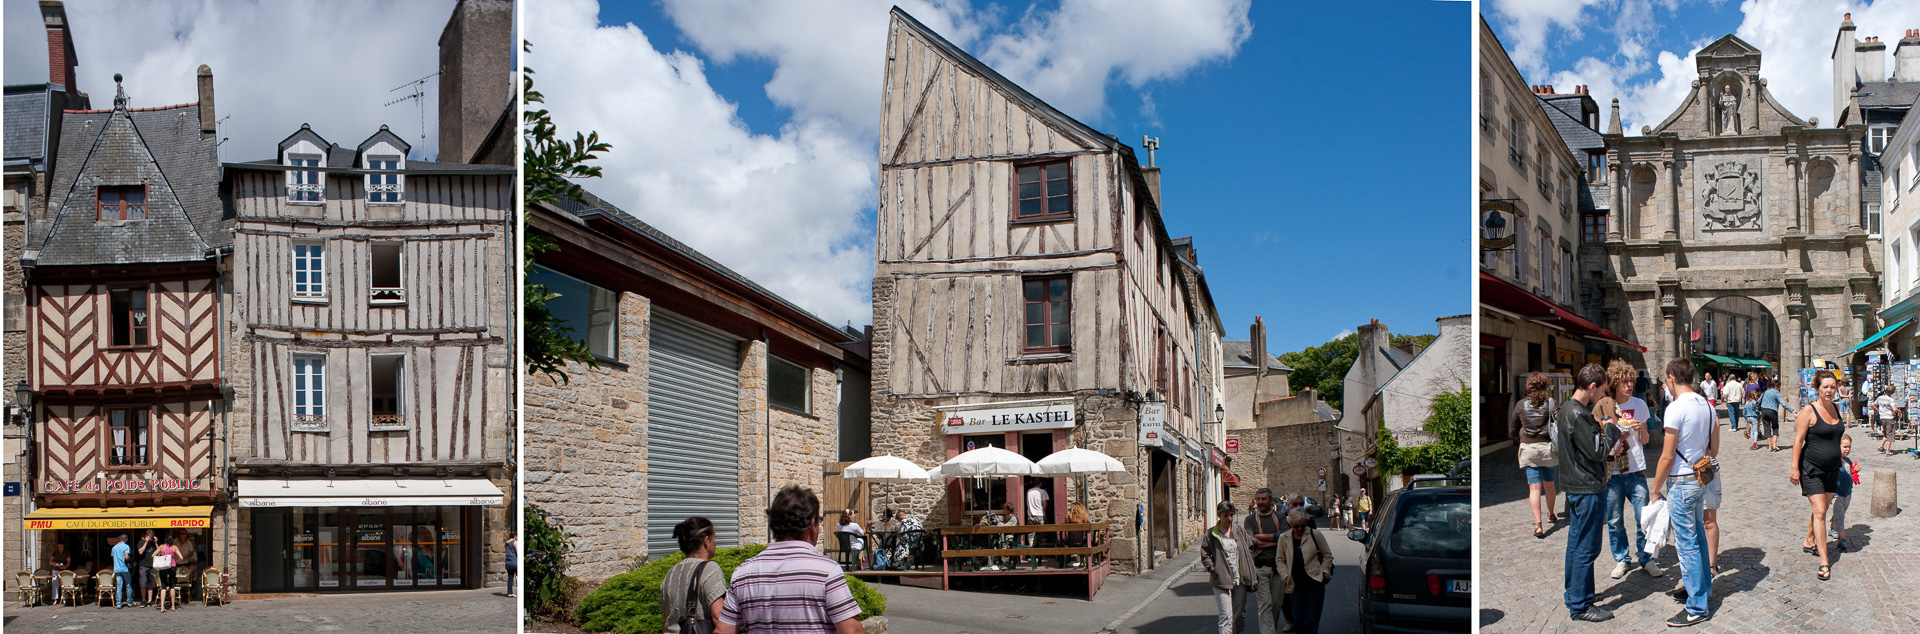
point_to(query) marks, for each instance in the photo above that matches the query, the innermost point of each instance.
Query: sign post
(1153, 421)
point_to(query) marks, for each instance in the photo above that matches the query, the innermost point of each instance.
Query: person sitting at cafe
(850, 523)
(1077, 514)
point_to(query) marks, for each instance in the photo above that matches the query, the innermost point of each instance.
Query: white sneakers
(1653, 569)
(1620, 569)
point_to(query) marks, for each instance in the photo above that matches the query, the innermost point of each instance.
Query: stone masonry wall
(585, 458)
(802, 447)
(1251, 465)
(1295, 455)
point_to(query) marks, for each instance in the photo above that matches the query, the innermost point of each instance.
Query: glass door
(305, 525)
(401, 531)
(330, 539)
(452, 554)
(369, 562)
(270, 550)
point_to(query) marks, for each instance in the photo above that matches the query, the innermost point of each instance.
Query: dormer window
(121, 202)
(305, 185)
(385, 185)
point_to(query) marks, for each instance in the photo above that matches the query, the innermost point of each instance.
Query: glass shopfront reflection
(361, 548)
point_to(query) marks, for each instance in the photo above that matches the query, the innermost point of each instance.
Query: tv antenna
(419, 97)
(220, 124)
(1151, 143)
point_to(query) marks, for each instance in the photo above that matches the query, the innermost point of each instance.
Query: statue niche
(1731, 197)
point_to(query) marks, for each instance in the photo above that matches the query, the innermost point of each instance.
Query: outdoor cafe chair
(69, 587)
(29, 588)
(103, 586)
(845, 554)
(213, 586)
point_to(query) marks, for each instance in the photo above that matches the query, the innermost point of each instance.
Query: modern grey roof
(1238, 353)
(26, 122)
(1889, 94)
(161, 148)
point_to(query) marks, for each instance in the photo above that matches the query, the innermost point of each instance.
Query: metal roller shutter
(693, 431)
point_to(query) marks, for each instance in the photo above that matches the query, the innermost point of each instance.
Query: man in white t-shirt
(1037, 499)
(1710, 390)
(1627, 485)
(1691, 434)
(1735, 394)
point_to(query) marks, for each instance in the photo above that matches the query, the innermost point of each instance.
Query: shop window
(1049, 306)
(388, 387)
(385, 286)
(788, 385)
(129, 312)
(983, 494)
(128, 432)
(309, 271)
(384, 185)
(120, 202)
(589, 311)
(309, 393)
(305, 185)
(1044, 191)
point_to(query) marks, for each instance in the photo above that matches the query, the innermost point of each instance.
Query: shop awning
(1758, 364)
(1231, 479)
(279, 492)
(116, 518)
(1717, 359)
(1499, 294)
(1878, 336)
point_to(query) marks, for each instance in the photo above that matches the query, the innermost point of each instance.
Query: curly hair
(1618, 372)
(794, 510)
(1536, 388)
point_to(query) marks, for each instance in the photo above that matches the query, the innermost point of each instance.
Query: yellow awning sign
(96, 518)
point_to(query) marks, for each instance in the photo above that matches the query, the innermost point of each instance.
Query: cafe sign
(118, 523)
(1153, 423)
(1058, 415)
(122, 485)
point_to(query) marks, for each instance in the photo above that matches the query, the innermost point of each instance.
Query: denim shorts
(1536, 475)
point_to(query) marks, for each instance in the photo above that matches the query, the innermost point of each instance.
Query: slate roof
(1578, 137)
(341, 159)
(161, 147)
(1889, 94)
(1399, 358)
(1239, 354)
(26, 122)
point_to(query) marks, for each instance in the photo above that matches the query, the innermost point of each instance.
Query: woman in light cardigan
(1228, 557)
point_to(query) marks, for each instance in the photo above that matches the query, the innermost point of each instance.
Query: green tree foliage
(1323, 368)
(551, 165)
(1450, 419)
(548, 588)
(630, 603)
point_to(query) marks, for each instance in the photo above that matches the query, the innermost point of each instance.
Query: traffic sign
(1233, 444)
(1323, 472)
(1359, 470)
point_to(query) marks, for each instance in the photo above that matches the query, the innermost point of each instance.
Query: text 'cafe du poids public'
(82, 537)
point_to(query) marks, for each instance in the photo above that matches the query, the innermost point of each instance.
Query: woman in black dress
(1816, 463)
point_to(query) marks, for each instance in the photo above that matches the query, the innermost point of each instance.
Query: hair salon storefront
(365, 534)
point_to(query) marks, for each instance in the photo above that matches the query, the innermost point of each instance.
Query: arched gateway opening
(1734, 335)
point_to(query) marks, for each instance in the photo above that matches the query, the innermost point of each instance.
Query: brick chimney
(208, 128)
(61, 58)
(476, 78)
(1906, 57)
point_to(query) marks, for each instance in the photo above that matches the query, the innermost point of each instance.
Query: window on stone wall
(1593, 228)
(591, 311)
(788, 385)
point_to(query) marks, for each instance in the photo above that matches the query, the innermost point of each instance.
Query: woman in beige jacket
(1311, 569)
(1227, 555)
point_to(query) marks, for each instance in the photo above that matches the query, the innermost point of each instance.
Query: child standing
(1843, 491)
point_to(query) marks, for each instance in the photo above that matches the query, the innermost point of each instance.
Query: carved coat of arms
(1731, 197)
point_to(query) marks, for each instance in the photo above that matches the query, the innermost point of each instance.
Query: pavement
(482, 610)
(1766, 583)
(1173, 598)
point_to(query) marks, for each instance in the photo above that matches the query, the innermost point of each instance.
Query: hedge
(629, 603)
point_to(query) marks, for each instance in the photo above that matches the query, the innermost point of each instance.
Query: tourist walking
(1363, 510)
(122, 556)
(1710, 389)
(1582, 444)
(166, 560)
(148, 544)
(1816, 464)
(690, 595)
(790, 586)
(1685, 462)
(1228, 559)
(1844, 398)
(1311, 570)
(1626, 485)
(513, 565)
(1531, 422)
(1734, 393)
(1770, 405)
(1888, 416)
(1843, 494)
(1269, 579)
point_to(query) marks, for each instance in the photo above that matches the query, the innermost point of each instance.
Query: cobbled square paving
(484, 610)
(1766, 582)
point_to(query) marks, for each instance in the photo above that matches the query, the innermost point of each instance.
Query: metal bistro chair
(103, 586)
(29, 588)
(69, 587)
(213, 586)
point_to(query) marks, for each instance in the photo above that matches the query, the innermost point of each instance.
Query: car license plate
(1460, 586)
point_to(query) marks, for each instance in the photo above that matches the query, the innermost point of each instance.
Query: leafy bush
(549, 590)
(630, 603)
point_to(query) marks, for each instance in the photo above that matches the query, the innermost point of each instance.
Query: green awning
(1758, 364)
(1878, 335)
(1722, 360)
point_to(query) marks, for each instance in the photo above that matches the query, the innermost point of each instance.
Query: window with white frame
(1707, 332)
(309, 270)
(385, 185)
(309, 392)
(388, 391)
(1899, 269)
(306, 185)
(1877, 138)
(788, 385)
(1545, 254)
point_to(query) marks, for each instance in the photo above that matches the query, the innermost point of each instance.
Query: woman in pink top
(169, 582)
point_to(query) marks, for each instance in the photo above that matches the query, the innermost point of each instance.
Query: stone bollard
(875, 625)
(1885, 499)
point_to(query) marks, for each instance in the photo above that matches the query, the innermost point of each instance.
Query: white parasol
(1079, 462)
(986, 462)
(884, 469)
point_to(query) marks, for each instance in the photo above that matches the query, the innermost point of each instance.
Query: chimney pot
(209, 124)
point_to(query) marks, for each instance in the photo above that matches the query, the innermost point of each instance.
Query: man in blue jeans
(1583, 444)
(1626, 485)
(1691, 434)
(122, 578)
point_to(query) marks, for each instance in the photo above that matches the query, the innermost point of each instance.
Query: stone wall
(1295, 455)
(1250, 464)
(802, 445)
(585, 458)
(13, 229)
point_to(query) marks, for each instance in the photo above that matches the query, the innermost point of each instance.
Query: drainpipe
(226, 404)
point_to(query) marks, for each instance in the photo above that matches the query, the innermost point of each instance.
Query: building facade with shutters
(371, 321)
(708, 393)
(1024, 268)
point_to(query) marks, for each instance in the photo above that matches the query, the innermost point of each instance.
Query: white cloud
(275, 65)
(792, 210)
(1527, 24)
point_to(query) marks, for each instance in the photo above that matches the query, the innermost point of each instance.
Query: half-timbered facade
(372, 408)
(123, 311)
(1023, 263)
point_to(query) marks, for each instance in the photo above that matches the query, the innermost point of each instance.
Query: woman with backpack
(691, 594)
(1531, 424)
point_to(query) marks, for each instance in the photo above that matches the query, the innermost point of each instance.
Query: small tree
(549, 591)
(550, 165)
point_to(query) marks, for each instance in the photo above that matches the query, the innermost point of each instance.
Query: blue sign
(13, 489)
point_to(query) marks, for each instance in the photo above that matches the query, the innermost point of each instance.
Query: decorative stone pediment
(1729, 46)
(1731, 195)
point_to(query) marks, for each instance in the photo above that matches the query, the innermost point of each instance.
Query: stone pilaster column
(1673, 198)
(1751, 105)
(1853, 188)
(1618, 218)
(1793, 168)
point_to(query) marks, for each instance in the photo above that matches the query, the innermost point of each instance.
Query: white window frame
(306, 186)
(806, 384)
(1878, 137)
(313, 263)
(308, 405)
(387, 295)
(398, 420)
(391, 192)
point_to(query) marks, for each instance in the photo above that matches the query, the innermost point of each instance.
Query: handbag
(690, 622)
(163, 562)
(1705, 469)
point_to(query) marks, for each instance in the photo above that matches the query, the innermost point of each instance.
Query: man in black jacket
(1583, 444)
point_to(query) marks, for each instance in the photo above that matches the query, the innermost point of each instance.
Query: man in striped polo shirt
(790, 587)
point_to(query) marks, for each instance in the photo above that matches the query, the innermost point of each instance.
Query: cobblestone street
(1766, 582)
(482, 610)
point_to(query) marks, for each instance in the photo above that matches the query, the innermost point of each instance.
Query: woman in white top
(1627, 484)
(850, 523)
(1227, 556)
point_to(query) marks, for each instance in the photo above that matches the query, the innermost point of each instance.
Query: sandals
(1826, 573)
(1810, 550)
(1715, 570)
(1538, 533)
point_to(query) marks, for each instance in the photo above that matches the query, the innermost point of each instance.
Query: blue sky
(1313, 152)
(1640, 51)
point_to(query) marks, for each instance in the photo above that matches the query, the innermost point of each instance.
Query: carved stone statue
(1729, 108)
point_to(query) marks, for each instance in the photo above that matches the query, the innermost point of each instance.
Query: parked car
(1417, 561)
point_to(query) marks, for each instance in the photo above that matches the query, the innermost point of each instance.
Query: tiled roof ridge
(189, 104)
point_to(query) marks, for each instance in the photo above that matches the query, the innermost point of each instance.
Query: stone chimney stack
(476, 78)
(61, 58)
(208, 126)
(1871, 62)
(1844, 80)
(1906, 57)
